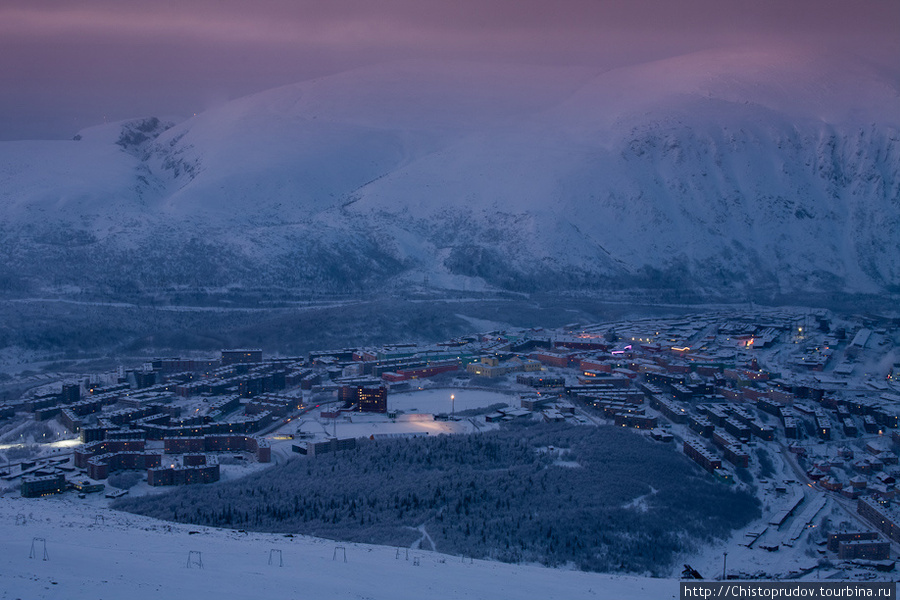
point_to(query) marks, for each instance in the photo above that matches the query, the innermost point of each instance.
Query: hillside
(94, 552)
(748, 174)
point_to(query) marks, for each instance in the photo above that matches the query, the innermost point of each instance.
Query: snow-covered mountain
(747, 172)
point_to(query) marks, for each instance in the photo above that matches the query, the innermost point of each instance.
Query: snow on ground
(359, 426)
(762, 549)
(438, 400)
(640, 503)
(99, 553)
(482, 324)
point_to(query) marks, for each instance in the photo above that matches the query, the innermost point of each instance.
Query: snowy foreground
(99, 553)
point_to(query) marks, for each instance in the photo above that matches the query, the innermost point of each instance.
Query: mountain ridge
(740, 173)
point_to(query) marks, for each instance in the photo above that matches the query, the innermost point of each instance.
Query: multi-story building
(332, 445)
(700, 455)
(364, 398)
(35, 487)
(884, 517)
(241, 356)
(185, 475)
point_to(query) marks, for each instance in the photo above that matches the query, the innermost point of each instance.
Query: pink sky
(67, 65)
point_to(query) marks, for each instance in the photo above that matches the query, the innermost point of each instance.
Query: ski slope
(98, 553)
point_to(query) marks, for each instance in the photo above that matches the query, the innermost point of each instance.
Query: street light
(452, 405)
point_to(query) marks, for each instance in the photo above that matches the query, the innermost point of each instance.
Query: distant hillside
(720, 175)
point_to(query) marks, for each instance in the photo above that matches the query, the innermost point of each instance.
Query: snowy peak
(775, 87)
(749, 172)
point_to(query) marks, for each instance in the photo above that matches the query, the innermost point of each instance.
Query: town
(800, 405)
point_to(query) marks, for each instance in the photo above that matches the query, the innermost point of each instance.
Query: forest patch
(491, 495)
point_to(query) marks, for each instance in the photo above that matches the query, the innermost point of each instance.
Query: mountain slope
(750, 173)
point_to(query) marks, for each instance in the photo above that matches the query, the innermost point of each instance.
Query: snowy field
(438, 400)
(358, 426)
(99, 553)
(416, 418)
